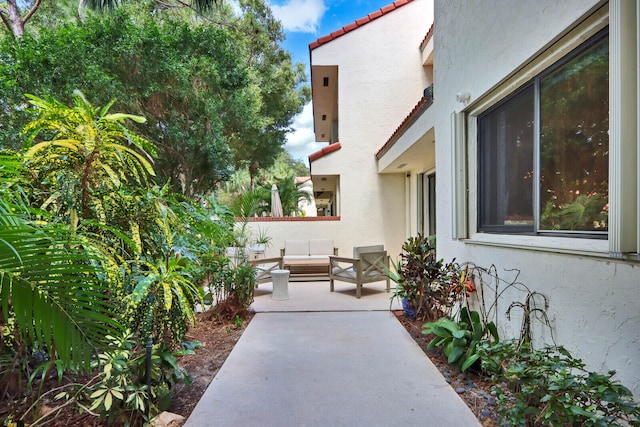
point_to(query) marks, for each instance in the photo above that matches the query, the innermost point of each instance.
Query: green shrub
(550, 387)
(429, 286)
(460, 338)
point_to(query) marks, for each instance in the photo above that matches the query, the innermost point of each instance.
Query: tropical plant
(162, 300)
(86, 152)
(55, 293)
(121, 391)
(230, 288)
(428, 285)
(290, 195)
(460, 337)
(218, 93)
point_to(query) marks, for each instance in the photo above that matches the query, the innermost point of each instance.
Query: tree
(277, 77)
(290, 195)
(215, 96)
(15, 17)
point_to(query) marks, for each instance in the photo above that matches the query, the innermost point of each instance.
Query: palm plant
(54, 293)
(290, 195)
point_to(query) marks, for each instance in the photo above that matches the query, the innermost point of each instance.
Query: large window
(543, 163)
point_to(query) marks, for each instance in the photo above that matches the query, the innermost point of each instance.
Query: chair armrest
(254, 262)
(336, 260)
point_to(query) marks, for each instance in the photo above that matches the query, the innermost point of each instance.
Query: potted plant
(260, 243)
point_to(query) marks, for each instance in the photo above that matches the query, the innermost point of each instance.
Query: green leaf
(469, 361)
(455, 355)
(579, 411)
(121, 116)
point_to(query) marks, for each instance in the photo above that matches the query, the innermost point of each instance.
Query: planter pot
(409, 311)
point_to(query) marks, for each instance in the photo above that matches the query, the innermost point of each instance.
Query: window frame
(535, 86)
(542, 60)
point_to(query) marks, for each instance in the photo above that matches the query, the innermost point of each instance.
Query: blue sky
(305, 21)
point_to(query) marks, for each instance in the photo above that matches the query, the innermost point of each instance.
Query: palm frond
(57, 296)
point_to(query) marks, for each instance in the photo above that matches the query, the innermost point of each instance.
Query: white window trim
(625, 114)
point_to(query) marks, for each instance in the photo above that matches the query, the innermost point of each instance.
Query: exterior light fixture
(463, 97)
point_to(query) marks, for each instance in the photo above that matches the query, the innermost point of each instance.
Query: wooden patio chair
(264, 267)
(366, 266)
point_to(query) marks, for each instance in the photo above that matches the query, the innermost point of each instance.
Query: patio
(315, 296)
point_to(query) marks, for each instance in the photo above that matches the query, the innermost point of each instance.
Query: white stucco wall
(594, 301)
(380, 78)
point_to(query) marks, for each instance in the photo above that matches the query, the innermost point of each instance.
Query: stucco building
(510, 130)
(536, 128)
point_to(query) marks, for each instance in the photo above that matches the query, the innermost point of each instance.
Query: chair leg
(388, 285)
(358, 290)
(331, 284)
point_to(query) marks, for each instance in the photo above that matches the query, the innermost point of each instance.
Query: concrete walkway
(328, 359)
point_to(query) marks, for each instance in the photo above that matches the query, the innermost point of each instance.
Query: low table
(307, 270)
(280, 280)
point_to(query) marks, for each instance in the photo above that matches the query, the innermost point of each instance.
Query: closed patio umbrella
(276, 204)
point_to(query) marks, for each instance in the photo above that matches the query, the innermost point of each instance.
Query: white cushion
(357, 250)
(321, 247)
(319, 258)
(296, 247)
(288, 258)
(348, 273)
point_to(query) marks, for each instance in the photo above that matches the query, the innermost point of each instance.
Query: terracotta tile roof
(420, 107)
(301, 179)
(359, 23)
(427, 38)
(326, 150)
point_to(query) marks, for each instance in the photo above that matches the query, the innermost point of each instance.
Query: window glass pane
(574, 143)
(505, 165)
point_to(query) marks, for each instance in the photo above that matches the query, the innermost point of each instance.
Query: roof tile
(418, 109)
(325, 150)
(358, 23)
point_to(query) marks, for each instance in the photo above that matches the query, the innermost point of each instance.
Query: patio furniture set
(317, 259)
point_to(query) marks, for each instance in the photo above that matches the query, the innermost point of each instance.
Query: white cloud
(302, 141)
(300, 15)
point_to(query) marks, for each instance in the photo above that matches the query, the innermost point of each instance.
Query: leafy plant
(55, 294)
(163, 299)
(86, 151)
(121, 390)
(231, 288)
(460, 338)
(429, 286)
(551, 387)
